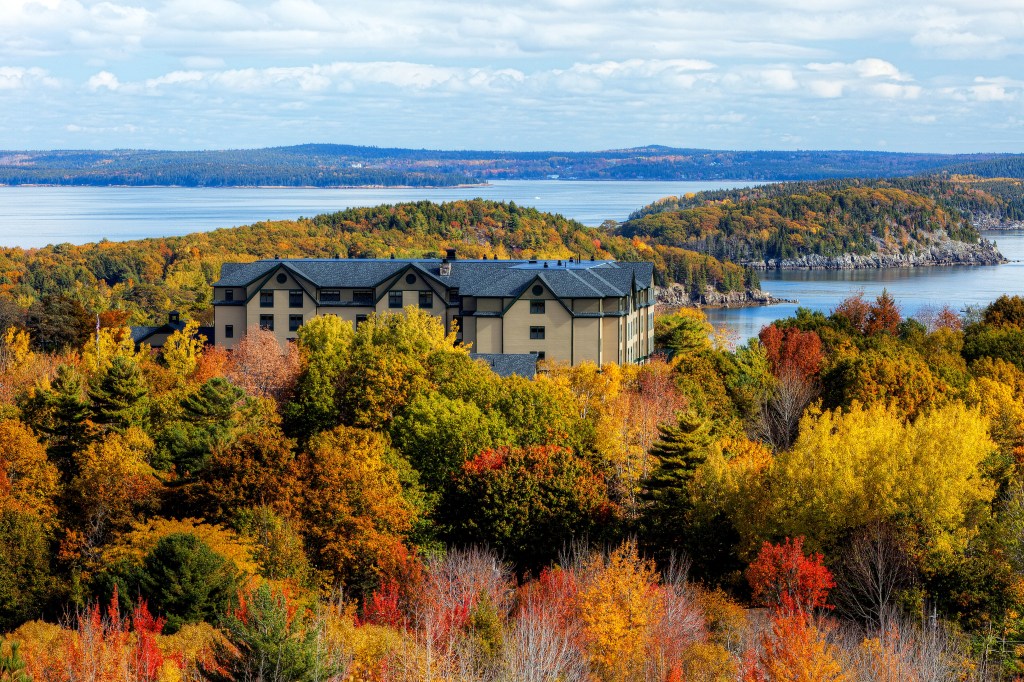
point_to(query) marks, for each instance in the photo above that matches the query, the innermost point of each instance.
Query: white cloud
(103, 80)
(18, 78)
(826, 89)
(650, 68)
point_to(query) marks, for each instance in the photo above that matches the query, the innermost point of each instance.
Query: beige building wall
(488, 335)
(611, 334)
(233, 315)
(586, 345)
(410, 294)
(556, 321)
(281, 309)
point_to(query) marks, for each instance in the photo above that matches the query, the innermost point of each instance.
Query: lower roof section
(507, 364)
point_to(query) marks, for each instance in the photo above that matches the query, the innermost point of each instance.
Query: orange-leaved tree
(782, 577)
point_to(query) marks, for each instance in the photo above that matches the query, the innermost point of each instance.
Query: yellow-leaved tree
(15, 350)
(28, 481)
(355, 517)
(114, 484)
(182, 350)
(618, 608)
(850, 468)
(105, 345)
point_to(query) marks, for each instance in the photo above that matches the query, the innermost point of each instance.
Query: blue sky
(567, 74)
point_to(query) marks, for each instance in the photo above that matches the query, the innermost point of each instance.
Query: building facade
(562, 310)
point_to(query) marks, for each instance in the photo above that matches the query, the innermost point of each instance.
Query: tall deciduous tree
(262, 367)
(529, 503)
(355, 517)
(324, 344)
(182, 350)
(28, 481)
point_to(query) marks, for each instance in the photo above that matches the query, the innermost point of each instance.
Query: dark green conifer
(679, 452)
(269, 640)
(209, 421)
(120, 398)
(67, 430)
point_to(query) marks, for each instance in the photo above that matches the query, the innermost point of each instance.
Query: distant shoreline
(112, 186)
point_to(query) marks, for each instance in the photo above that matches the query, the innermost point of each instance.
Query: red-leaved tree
(782, 577)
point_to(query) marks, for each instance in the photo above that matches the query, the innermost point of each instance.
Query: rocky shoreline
(989, 222)
(943, 253)
(678, 296)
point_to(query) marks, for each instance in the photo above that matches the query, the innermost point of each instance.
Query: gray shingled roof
(588, 279)
(140, 334)
(507, 364)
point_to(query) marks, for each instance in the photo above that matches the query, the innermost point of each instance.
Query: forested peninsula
(53, 289)
(834, 224)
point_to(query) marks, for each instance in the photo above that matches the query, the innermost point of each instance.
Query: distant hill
(829, 224)
(330, 165)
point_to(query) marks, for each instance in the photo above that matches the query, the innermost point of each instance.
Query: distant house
(156, 336)
(563, 310)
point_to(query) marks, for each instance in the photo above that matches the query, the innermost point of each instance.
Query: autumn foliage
(783, 578)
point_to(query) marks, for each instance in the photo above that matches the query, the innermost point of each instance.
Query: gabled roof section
(489, 278)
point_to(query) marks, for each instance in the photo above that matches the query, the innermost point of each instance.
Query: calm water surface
(913, 288)
(36, 216)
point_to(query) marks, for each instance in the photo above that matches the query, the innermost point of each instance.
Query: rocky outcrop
(678, 296)
(946, 252)
(987, 221)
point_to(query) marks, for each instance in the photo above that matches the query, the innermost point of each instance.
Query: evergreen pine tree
(121, 397)
(269, 640)
(67, 429)
(12, 665)
(679, 452)
(209, 422)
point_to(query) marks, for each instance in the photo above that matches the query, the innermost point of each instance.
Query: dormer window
(229, 294)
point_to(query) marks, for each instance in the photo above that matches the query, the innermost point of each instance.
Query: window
(536, 332)
(360, 319)
(537, 290)
(294, 322)
(267, 298)
(267, 322)
(538, 353)
(281, 278)
(295, 298)
(330, 296)
(229, 294)
(453, 297)
(426, 299)
(229, 331)
(410, 278)
(536, 307)
(362, 297)
(394, 299)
